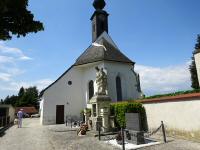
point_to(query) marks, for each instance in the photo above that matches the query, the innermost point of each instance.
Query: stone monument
(134, 134)
(100, 112)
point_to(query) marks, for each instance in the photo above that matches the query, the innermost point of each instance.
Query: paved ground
(177, 144)
(36, 137)
(57, 137)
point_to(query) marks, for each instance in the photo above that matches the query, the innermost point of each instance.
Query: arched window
(118, 88)
(91, 89)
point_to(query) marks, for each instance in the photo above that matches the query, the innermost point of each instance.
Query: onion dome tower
(99, 19)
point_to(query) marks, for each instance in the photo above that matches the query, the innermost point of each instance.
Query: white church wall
(60, 93)
(128, 80)
(41, 111)
(197, 61)
(89, 73)
(77, 94)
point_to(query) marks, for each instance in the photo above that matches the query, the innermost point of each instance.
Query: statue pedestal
(100, 112)
(105, 119)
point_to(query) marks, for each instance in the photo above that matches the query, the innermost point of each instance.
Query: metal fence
(4, 121)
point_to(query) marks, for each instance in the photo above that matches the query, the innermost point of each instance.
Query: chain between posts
(161, 127)
(153, 132)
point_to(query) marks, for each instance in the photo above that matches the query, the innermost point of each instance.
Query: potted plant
(119, 138)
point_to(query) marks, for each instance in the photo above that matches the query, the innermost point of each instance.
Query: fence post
(71, 122)
(163, 131)
(6, 121)
(99, 128)
(1, 121)
(123, 143)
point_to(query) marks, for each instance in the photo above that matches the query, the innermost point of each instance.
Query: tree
(21, 92)
(7, 100)
(1, 102)
(197, 45)
(15, 19)
(194, 76)
(25, 97)
(29, 98)
(192, 67)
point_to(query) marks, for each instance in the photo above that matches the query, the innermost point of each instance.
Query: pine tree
(194, 76)
(21, 92)
(197, 46)
(192, 67)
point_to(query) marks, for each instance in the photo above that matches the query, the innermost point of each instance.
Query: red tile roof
(177, 98)
(182, 97)
(28, 110)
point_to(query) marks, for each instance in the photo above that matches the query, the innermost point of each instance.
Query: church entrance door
(60, 114)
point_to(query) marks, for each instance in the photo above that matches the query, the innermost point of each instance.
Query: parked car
(35, 116)
(25, 115)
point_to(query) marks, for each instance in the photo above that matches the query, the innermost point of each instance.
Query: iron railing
(4, 121)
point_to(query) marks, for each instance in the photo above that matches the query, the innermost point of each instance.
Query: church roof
(102, 49)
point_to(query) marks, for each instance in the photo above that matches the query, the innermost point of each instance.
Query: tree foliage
(197, 46)
(192, 67)
(25, 97)
(194, 76)
(15, 19)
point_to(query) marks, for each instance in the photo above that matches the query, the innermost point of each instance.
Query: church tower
(99, 19)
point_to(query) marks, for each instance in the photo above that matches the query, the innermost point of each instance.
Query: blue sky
(159, 35)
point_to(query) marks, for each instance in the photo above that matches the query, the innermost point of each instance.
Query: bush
(119, 110)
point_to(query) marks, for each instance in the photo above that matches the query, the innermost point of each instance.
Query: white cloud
(25, 58)
(5, 77)
(155, 80)
(15, 52)
(6, 59)
(9, 58)
(14, 86)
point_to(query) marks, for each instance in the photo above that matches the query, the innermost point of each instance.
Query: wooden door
(60, 114)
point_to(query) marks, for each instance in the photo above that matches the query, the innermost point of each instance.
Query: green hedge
(119, 110)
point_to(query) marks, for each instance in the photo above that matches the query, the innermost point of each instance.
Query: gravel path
(36, 137)
(33, 136)
(175, 144)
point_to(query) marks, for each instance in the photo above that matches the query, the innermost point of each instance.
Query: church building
(72, 91)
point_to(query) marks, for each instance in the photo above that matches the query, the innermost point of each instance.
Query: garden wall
(181, 114)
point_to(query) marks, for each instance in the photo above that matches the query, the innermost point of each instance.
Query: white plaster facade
(181, 115)
(75, 97)
(77, 94)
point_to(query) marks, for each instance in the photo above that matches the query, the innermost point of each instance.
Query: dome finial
(99, 4)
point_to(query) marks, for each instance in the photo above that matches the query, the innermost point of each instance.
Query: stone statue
(101, 81)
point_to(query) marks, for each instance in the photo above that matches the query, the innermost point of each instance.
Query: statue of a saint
(101, 81)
